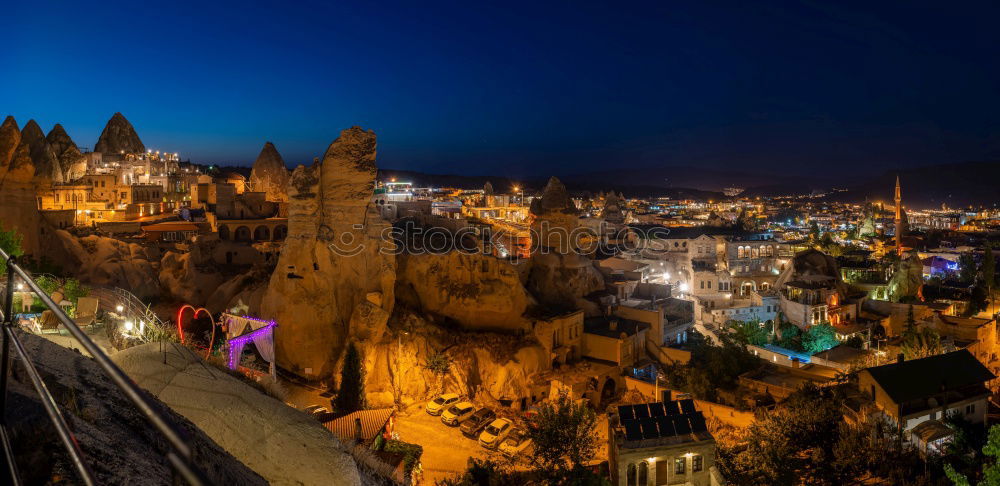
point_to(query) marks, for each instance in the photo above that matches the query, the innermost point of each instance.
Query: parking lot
(446, 450)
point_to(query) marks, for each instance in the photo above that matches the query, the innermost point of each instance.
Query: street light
(119, 308)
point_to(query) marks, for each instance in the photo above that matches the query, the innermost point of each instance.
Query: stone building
(661, 443)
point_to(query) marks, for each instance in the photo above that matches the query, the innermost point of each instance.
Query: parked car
(495, 433)
(457, 413)
(516, 442)
(475, 424)
(442, 402)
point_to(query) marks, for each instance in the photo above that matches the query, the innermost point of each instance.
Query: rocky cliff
(284, 445)
(487, 367)
(332, 260)
(119, 136)
(72, 162)
(269, 174)
(18, 209)
(99, 260)
(47, 167)
(475, 290)
(118, 445)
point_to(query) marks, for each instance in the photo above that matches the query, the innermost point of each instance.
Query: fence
(178, 453)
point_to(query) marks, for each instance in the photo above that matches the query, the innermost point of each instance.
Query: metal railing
(179, 453)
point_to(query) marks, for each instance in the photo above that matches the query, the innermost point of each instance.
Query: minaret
(899, 219)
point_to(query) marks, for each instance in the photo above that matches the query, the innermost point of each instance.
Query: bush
(411, 452)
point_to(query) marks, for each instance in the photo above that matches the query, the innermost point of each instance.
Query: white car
(439, 404)
(516, 442)
(495, 433)
(457, 413)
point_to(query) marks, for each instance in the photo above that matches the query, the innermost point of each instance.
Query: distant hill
(575, 184)
(957, 185)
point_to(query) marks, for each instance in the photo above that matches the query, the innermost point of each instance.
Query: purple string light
(236, 344)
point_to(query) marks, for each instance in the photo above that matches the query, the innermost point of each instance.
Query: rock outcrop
(477, 291)
(907, 280)
(72, 162)
(486, 367)
(269, 174)
(284, 445)
(119, 137)
(119, 446)
(560, 275)
(99, 260)
(815, 267)
(189, 277)
(333, 257)
(18, 209)
(47, 167)
(612, 212)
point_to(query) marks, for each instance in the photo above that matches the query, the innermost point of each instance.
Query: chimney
(613, 324)
(357, 429)
(899, 358)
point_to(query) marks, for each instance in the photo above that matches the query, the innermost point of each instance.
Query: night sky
(521, 88)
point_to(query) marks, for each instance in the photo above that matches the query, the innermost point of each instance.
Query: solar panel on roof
(632, 430)
(672, 408)
(625, 412)
(687, 406)
(698, 423)
(641, 412)
(666, 425)
(681, 425)
(656, 410)
(649, 430)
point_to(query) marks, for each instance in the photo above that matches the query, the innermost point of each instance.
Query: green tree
(750, 332)
(991, 472)
(10, 242)
(819, 338)
(920, 343)
(989, 271)
(911, 323)
(351, 395)
(967, 268)
(564, 437)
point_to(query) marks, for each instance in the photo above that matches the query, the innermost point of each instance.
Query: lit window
(697, 462)
(679, 465)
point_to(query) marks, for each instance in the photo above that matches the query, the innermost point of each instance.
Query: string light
(236, 344)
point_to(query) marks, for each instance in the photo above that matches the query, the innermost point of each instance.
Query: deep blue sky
(521, 88)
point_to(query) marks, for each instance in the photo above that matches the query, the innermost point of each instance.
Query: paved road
(446, 450)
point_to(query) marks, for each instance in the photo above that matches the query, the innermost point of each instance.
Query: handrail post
(8, 321)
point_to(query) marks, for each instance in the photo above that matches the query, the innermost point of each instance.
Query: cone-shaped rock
(74, 166)
(47, 166)
(119, 136)
(269, 174)
(555, 198)
(18, 209)
(10, 138)
(59, 140)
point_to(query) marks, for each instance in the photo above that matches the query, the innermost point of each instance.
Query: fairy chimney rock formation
(269, 174)
(333, 257)
(18, 209)
(72, 162)
(560, 274)
(47, 167)
(119, 137)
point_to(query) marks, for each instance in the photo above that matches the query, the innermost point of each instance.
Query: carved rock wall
(332, 258)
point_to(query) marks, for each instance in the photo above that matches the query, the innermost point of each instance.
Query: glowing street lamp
(119, 308)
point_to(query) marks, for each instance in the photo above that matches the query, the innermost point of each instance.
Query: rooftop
(661, 423)
(602, 326)
(925, 377)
